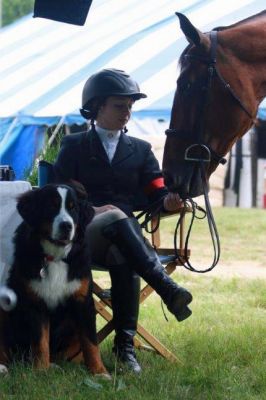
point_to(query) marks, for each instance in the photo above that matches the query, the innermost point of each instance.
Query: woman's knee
(113, 216)
(104, 219)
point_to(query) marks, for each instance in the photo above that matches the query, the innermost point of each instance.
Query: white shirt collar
(107, 134)
(109, 139)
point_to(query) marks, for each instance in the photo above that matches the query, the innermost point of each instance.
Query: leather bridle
(208, 153)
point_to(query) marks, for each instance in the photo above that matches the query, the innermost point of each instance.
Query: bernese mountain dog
(54, 318)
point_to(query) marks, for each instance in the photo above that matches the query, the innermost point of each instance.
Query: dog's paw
(104, 375)
(3, 369)
(55, 366)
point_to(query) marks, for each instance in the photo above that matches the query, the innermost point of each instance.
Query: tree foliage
(14, 9)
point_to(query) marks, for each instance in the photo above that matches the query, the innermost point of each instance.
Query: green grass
(221, 347)
(241, 231)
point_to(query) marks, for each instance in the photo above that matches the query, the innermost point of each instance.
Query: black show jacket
(126, 182)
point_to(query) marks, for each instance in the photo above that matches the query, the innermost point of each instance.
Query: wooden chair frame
(144, 339)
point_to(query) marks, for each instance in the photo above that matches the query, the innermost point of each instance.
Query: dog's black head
(52, 211)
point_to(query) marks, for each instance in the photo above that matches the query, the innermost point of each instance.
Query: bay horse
(221, 84)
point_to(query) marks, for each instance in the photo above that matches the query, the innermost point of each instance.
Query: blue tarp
(22, 146)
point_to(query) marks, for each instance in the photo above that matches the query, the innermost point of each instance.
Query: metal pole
(55, 132)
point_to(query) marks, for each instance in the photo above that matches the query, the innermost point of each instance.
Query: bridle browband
(209, 153)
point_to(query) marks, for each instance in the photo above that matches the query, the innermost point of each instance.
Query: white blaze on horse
(221, 84)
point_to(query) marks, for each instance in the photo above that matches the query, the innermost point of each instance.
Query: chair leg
(108, 328)
(154, 345)
(151, 343)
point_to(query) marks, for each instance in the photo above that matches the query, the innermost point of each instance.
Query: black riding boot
(125, 293)
(126, 234)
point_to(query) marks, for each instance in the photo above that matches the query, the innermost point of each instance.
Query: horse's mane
(243, 21)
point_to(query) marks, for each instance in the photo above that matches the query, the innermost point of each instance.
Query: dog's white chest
(54, 286)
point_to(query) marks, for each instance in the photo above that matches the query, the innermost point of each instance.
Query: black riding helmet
(105, 83)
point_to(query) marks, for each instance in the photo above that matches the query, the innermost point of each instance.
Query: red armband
(157, 183)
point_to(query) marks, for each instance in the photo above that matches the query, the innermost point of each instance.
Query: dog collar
(47, 258)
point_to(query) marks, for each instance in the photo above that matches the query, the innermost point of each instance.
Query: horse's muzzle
(187, 182)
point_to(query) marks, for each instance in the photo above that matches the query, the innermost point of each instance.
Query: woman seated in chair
(113, 167)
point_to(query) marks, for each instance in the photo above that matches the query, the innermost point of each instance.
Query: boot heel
(187, 296)
(178, 306)
(183, 314)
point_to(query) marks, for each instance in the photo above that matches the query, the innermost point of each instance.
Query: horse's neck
(247, 42)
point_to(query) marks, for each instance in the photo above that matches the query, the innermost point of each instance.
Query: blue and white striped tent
(44, 64)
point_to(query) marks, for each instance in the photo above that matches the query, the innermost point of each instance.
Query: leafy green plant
(15, 9)
(49, 153)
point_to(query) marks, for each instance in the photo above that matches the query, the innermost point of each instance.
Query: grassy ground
(242, 235)
(221, 348)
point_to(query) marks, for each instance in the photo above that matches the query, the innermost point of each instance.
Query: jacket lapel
(96, 149)
(124, 149)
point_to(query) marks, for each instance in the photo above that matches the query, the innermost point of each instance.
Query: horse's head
(206, 118)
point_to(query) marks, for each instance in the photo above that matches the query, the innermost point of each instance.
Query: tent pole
(55, 132)
(9, 131)
(53, 136)
(68, 131)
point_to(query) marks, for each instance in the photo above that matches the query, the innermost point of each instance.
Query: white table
(9, 220)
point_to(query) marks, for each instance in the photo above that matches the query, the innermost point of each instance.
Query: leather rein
(207, 155)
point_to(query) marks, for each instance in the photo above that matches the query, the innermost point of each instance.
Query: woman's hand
(172, 202)
(102, 209)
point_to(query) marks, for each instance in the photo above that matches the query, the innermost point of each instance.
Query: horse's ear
(193, 35)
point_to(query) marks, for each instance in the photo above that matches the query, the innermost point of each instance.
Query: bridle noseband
(208, 153)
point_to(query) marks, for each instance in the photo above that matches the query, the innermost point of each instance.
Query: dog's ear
(86, 211)
(79, 189)
(27, 206)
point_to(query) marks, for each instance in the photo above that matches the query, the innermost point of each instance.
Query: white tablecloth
(9, 220)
